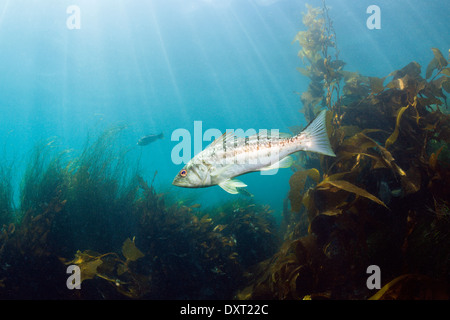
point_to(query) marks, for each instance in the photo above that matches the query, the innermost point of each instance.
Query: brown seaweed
(128, 240)
(389, 174)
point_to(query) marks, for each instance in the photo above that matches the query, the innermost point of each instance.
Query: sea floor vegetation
(94, 212)
(383, 201)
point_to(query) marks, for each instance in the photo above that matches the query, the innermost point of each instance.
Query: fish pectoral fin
(283, 163)
(231, 185)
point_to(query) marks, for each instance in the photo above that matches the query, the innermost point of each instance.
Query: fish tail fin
(161, 135)
(317, 137)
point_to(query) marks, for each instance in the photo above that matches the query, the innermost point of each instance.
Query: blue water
(160, 65)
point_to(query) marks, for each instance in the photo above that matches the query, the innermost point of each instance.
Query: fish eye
(183, 173)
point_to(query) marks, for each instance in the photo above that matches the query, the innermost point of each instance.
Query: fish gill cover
(384, 200)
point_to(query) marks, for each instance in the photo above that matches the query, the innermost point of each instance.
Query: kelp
(251, 226)
(383, 200)
(318, 43)
(114, 269)
(349, 187)
(94, 210)
(437, 63)
(297, 183)
(393, 137)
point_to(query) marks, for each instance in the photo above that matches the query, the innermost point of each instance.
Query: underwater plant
(96, 212)
(251, 226)
(383, 200)
(322, 67)
(44, 178)
(6, 195)
(57, 192)
(101, 187)
(198, 255)
(118, 271)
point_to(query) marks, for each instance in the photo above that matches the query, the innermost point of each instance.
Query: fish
(149, 139)
(228, 156)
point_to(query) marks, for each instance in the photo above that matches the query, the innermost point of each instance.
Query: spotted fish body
(229, 156)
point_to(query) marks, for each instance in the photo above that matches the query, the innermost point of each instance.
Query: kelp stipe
(320, 55)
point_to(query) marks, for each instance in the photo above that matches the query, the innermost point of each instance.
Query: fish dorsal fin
(264, 136)
(231, 185)
(229, 138)
(226, 137)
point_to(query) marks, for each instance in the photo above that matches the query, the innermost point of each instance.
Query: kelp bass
(229, 156)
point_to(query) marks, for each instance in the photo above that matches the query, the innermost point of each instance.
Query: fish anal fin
(283, 163)
(231, 185)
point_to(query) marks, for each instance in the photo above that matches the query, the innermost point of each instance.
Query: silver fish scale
(249, 153)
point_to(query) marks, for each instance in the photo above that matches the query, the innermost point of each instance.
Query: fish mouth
(180, 183)
(185, 184)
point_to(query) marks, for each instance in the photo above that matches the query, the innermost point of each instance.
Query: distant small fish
(255, 153)
(149, 139)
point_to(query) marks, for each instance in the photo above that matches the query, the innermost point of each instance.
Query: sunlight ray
(179, 99)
